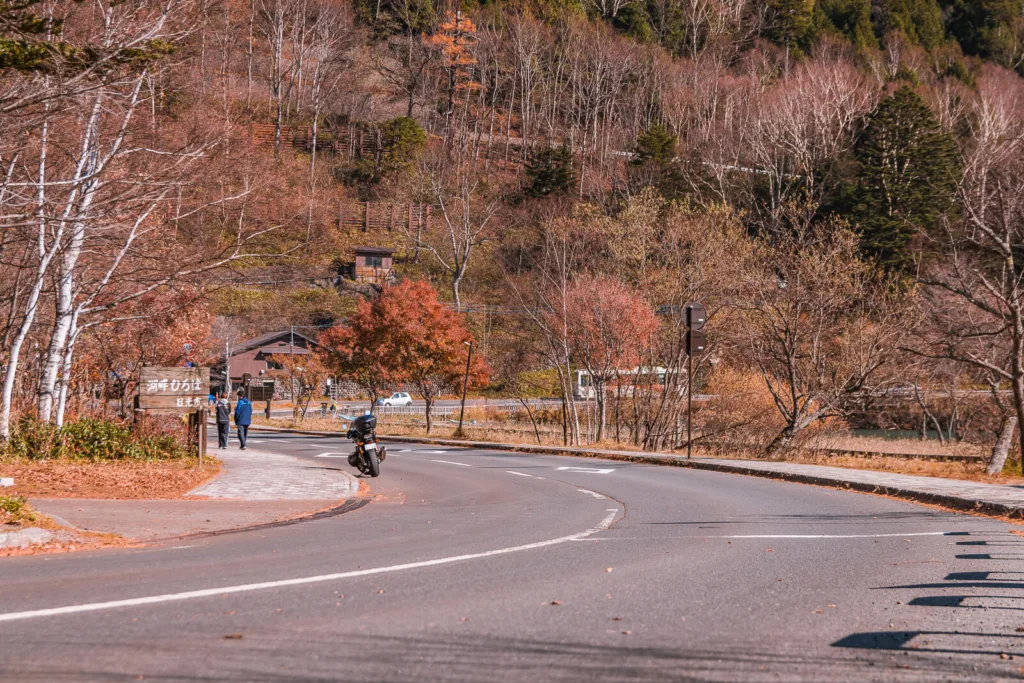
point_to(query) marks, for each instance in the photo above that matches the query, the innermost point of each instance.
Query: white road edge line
(918, 533)
(249, 587)
(595, 494)
(449, 462)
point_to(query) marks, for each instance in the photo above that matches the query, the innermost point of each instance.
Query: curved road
(474, 565)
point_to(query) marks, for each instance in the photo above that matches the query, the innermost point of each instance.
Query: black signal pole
(689, 404)
(695, 318)
(465, 385)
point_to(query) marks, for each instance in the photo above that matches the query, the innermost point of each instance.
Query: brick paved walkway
(258, 475)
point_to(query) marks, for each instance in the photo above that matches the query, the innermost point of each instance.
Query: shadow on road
(997, 590)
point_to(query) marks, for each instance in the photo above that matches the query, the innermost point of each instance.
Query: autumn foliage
(406, 335)
(609, 327)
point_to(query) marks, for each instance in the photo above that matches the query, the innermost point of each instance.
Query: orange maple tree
(406, 335)
(609, 325)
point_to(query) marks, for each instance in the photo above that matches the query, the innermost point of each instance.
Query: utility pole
(227, 369)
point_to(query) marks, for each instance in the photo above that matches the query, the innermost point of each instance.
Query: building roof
(285, 350)
(266, 339)
(385, 251)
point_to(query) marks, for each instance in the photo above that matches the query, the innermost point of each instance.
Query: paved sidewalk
(258, 475)
(254, 487)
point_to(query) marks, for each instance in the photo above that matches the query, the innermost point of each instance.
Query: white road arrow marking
(587, 470)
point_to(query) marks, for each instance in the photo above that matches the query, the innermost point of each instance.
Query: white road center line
(449, 462)
(432, 452)
(331, 454)
(595, 494)
(587, 470)
(249, 587)
(919, 533)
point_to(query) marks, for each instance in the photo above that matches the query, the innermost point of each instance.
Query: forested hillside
(841, 182)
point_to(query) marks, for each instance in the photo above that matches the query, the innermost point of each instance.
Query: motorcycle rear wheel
(374, 463)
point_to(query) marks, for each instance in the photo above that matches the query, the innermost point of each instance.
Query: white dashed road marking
(331, 454)
(449, 462)
(587, 470)
(521, 474)
(595, 494)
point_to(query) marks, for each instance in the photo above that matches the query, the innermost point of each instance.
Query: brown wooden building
(253, 358)
(372, 264)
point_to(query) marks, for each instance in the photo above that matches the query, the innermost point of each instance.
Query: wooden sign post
(177, 391)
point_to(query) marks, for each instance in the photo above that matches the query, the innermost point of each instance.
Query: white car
(399, 398)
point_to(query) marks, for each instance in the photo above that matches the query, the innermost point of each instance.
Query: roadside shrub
(15, 510)
(29, 438)
(740, 415)
(91, 439)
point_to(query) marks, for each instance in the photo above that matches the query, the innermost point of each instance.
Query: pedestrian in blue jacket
(243, 417)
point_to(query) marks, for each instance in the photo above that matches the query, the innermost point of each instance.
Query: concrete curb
(957, 502)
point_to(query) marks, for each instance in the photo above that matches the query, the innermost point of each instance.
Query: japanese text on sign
(158, 386)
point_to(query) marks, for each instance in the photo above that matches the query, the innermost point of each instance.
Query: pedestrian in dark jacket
(223, 420)
(243, 417)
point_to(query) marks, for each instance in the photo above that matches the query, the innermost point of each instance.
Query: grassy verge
(91, 458)
(125, 480)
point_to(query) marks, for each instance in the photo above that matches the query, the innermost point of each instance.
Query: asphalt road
(472, 565)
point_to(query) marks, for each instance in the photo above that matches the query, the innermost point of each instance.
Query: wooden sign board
(173, 390)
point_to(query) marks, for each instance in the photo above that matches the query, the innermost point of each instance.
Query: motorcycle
(368, 455)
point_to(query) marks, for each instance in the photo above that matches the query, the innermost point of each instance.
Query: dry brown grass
(839, 441)
(113, 479)
(967, 470)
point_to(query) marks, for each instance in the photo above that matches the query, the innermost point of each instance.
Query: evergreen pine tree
(789, 23)
(851, 18)
(907, 177)
(654, 161)
(549, 171)
(22, 36)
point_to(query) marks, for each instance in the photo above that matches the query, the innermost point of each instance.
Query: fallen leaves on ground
(112, 479)
(233, 636)
(556, 602)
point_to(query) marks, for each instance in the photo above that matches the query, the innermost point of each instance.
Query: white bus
(584, 386)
